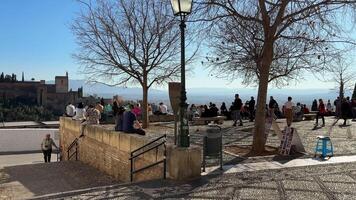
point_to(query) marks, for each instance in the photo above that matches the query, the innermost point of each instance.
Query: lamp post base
(184, 141)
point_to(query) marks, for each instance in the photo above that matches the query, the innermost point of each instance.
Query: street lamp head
(181, 7)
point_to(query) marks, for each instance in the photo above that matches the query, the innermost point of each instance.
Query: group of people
(237, 111)
(344, 109)
(125, 117)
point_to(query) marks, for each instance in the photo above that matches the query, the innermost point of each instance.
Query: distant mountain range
(204, 95)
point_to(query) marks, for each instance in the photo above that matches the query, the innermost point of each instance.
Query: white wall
(29, 139)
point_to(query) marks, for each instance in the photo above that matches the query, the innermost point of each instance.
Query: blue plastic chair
(324, 146)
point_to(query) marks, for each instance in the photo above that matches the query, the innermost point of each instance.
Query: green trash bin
(212, 145)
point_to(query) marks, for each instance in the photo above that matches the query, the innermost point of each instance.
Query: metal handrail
(137, 155)
(164, 160)
(153, 141)
(73, 144)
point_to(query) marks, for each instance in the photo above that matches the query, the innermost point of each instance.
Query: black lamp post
(182, 8)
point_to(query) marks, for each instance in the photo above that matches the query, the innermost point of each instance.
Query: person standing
(329, 108)
(251, 107)
(236, 110)
(288, 111)
(345, 110)
(314, 105)
(337, 104)
(46, 147)
(321, 112)
(353, 107)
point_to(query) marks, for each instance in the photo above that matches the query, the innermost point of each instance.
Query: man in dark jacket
(251, 107)
(236, 110)
(345, 110)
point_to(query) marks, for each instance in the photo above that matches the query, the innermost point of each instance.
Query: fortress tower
(62, 84)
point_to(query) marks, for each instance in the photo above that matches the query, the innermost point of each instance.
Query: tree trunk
(341, 90)
(145, 121)
(258, 144)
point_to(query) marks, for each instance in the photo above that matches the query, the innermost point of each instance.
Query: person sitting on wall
(163, 109)
(137, 110)
(79, 112)
(70, 110)
(92, 115)
(130, 123)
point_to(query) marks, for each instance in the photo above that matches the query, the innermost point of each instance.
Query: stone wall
(25, 139)
(109, 151)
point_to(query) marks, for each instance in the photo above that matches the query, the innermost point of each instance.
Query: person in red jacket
(321, 112)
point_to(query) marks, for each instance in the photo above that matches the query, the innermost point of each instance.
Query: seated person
(79, 112)
(305, 109)
(163, 109)
(213, 111)
(92, 115)
(130, 123)
(206, 112)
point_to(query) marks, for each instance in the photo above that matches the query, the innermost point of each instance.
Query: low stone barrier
(109, 151)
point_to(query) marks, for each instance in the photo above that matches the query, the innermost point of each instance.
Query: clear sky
(35, 38)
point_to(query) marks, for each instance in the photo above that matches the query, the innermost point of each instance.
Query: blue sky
(35, 38)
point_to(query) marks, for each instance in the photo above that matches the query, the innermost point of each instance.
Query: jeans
(236, 116)
(322, 117)
(47, 155)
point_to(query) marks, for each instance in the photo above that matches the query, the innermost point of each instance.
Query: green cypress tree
(354, 93)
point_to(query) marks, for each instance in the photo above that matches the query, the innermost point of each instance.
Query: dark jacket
(237, 104)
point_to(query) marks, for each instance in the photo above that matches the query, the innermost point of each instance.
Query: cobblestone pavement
(343, 137)
(331, 182)
(25, 181)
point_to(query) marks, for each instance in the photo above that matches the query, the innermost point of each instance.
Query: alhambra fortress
(54, 96)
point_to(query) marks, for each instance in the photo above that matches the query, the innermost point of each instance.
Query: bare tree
(128, 42)
(341, 74)
(273, 41)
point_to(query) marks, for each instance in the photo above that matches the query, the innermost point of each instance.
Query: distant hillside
(205, 95)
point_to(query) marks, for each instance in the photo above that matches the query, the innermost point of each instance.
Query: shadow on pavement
(47, 178)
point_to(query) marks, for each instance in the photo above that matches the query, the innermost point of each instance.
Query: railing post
(131, 168)
(165, 162)
(76, 151)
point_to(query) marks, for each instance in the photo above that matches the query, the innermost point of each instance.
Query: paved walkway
(266, 165)
(322, 182)
(29, 180)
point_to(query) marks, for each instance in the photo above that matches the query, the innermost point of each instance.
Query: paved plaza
(331, 182)
(272, 177)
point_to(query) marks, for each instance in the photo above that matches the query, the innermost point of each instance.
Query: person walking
(345, 110)
(236, 110)
(46, 147)
(288, 111)
(321, 112)
(251, 107)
